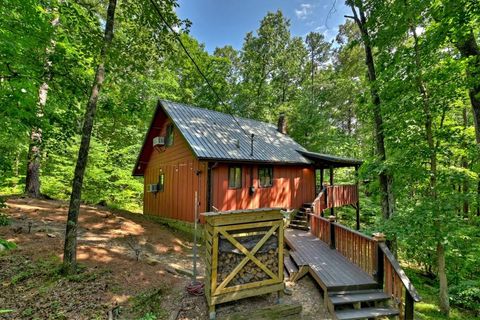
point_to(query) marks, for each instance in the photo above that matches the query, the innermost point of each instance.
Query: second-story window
(169, 136)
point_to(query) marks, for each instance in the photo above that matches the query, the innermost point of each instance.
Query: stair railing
(335, 196)
(372, 255)
(395, 282)
(319, 204)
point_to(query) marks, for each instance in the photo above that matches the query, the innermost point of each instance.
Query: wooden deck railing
(396, 283)
(320, 227)
(335, 196)
(373, 256)
(356, 247)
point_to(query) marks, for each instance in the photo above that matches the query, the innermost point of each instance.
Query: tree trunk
(443, 296)
(465, 186)
(442, 276)
(16, 165)
(70, 248)
(32, 180)
(385, 177)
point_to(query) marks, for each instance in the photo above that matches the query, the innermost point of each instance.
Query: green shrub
(7, 244)
(466, 294)
(4, 219)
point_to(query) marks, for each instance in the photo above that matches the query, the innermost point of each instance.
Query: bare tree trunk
(70, 248)
(16, 165)
(385, 177)
(442, 275)
(32, 181)
(465, 186)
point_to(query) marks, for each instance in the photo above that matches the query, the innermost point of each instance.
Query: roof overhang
(260, 162)
(146, 150)
(329, 161)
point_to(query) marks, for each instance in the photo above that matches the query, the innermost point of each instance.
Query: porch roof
(326, 160)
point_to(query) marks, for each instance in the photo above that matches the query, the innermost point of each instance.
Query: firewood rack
(244, 255)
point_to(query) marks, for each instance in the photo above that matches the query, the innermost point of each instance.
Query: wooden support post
(332, 210)
(325, 197)
(321, 179)
(379, 237)
(409, 303)
(332, 231)
(357, 208)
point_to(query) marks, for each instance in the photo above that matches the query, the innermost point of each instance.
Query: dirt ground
(111, 279)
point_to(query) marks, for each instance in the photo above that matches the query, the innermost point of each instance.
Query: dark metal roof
(327, 160)
(214, 135)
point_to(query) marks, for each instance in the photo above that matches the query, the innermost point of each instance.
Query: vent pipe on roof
(282, 124)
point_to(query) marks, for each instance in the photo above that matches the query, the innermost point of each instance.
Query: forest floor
(110, 278)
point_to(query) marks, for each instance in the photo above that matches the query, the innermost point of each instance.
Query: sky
(217, 23)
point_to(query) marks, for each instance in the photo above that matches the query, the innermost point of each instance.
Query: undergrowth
(428, 308)
(148, 305)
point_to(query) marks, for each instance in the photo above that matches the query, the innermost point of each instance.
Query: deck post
(325, 188)
(332, 210)
(357, 206)
(321, 179)
(379, 237)
(332, 219)
(409, 303)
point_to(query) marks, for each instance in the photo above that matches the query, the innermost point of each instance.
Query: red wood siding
(292, 186)
(179, 166)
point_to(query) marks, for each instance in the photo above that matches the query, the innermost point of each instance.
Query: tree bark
(70, 247)
(32, 180)
(385, 177)
(442, 276)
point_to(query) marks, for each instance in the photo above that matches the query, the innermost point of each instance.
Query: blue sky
(220, 22)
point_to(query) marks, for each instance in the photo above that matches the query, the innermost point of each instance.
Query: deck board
(329, 267)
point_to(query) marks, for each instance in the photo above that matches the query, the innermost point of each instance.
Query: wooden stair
(366, 313)
(357, 300)
(360, 304)
(300, 220)
(290, 266)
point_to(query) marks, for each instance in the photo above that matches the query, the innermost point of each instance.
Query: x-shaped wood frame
(249, 255)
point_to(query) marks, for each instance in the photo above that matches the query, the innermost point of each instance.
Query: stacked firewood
(251, 272)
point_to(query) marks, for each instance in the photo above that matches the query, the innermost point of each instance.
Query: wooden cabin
(228, 164)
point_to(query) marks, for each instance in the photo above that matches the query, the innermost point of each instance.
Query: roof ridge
(218, 112)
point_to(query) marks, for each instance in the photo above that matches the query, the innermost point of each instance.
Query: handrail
(372, 255)
(320, 227)
(358, 233)
(335, 196)
(401, 274)
(360, 249)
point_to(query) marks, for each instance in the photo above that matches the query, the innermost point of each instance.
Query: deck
(327, 266)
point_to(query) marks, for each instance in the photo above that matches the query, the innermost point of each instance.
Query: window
(235, 177)
(169, 137)
(161, 182)
(265, 176)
